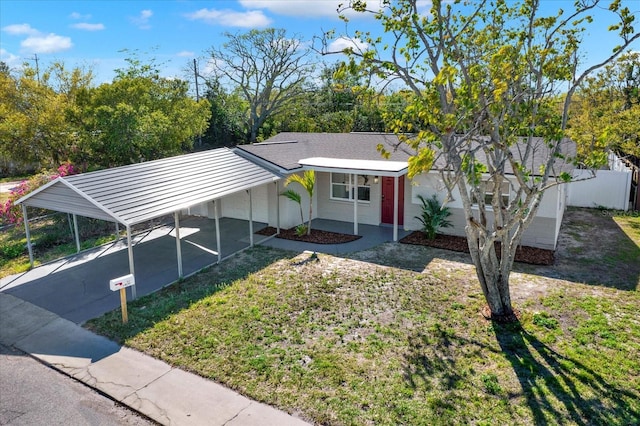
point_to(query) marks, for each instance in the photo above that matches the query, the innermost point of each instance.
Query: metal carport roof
(139, 192)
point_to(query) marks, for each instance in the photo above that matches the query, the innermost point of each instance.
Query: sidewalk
(165, 394)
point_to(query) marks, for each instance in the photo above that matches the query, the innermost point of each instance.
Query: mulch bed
(524, 254)
(317, 236)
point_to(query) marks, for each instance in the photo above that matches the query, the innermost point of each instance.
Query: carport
(140, 192)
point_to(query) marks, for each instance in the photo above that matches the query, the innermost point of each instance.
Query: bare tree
(266, 67)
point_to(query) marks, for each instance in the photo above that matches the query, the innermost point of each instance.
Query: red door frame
(387, 200)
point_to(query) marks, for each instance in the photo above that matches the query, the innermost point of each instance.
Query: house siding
(542, 232)
(368, 212)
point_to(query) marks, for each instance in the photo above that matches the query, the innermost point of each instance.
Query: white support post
(355, 204)
(395, 208)
(131, 266)
(176, 219)
(277, 206)
(117, 232)
(28, 233)
(75, 231)
(215, 215)
(250, 217)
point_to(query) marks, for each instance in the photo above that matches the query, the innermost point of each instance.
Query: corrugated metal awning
(139, 192)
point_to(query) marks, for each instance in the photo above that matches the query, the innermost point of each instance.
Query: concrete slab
(18, 319)
(264, 415)
(66, 346)
(188, 400)
(125, 372)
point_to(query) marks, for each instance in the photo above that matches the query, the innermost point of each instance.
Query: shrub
(12, 213)
(434, 216)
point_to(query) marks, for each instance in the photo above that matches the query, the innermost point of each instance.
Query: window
(343, 187)
(487, 187)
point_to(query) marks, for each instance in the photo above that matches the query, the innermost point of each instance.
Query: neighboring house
(347, 164)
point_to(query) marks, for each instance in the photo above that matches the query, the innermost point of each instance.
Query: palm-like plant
(295, 197)
(308, 181)
(433, 217)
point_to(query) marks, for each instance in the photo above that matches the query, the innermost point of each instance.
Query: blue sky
(93, 32)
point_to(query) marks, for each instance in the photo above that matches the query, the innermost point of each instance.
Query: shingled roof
(285, 150)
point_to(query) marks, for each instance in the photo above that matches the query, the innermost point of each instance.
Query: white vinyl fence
(610, 189)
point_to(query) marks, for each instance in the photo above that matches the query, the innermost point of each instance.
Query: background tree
(226, 126)
(141, 116)
(267, 68)
(606, 110)
(484, 78)
(35, 131)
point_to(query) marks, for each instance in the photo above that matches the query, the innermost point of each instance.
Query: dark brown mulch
(501, 319)
(524, 254)
(317, 236)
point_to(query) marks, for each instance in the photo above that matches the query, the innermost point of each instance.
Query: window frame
(350, 187)
(488, 196)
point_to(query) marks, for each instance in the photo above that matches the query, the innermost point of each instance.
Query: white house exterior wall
(237, 205)
(542, 232)
(368, 212)
(290, 210)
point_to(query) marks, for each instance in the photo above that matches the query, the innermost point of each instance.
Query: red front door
(387, 200)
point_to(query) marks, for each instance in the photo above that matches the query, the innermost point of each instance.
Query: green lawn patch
(341, 341)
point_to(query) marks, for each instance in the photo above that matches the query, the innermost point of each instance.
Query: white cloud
(20, 29)
(342, 43)
(311, 9)
(9, 58)
(231, 18)
(79, 16)
(50, 43)
(142, 21)
(185, 54)
(88, 27)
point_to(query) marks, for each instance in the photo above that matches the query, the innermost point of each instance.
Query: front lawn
(341, 341)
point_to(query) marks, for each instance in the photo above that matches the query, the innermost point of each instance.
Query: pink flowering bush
(12, 213)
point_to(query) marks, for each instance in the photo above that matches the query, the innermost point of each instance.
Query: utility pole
(35, 59)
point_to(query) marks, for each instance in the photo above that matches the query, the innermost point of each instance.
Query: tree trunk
(489, 269)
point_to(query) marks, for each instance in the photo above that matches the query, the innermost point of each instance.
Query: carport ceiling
(139, 192)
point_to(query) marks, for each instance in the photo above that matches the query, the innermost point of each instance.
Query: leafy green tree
(226, 126)
(141, 116)
(267, 68)
(606, 111)
(483, 78)
(35, 129)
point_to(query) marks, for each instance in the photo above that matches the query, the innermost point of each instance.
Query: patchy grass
(341, 341)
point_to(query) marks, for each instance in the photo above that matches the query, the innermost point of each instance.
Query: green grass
(351, 343)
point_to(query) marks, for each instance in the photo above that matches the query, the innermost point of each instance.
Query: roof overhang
(363, 167)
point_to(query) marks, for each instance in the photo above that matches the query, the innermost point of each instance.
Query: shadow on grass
(557, 389)
(153, 308)
(557, 386)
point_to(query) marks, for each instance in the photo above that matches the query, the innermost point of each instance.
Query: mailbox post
(121, 284)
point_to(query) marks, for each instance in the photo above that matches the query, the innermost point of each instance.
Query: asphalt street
(34, 394)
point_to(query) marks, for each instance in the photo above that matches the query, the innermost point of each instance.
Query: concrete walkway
(165, 394)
